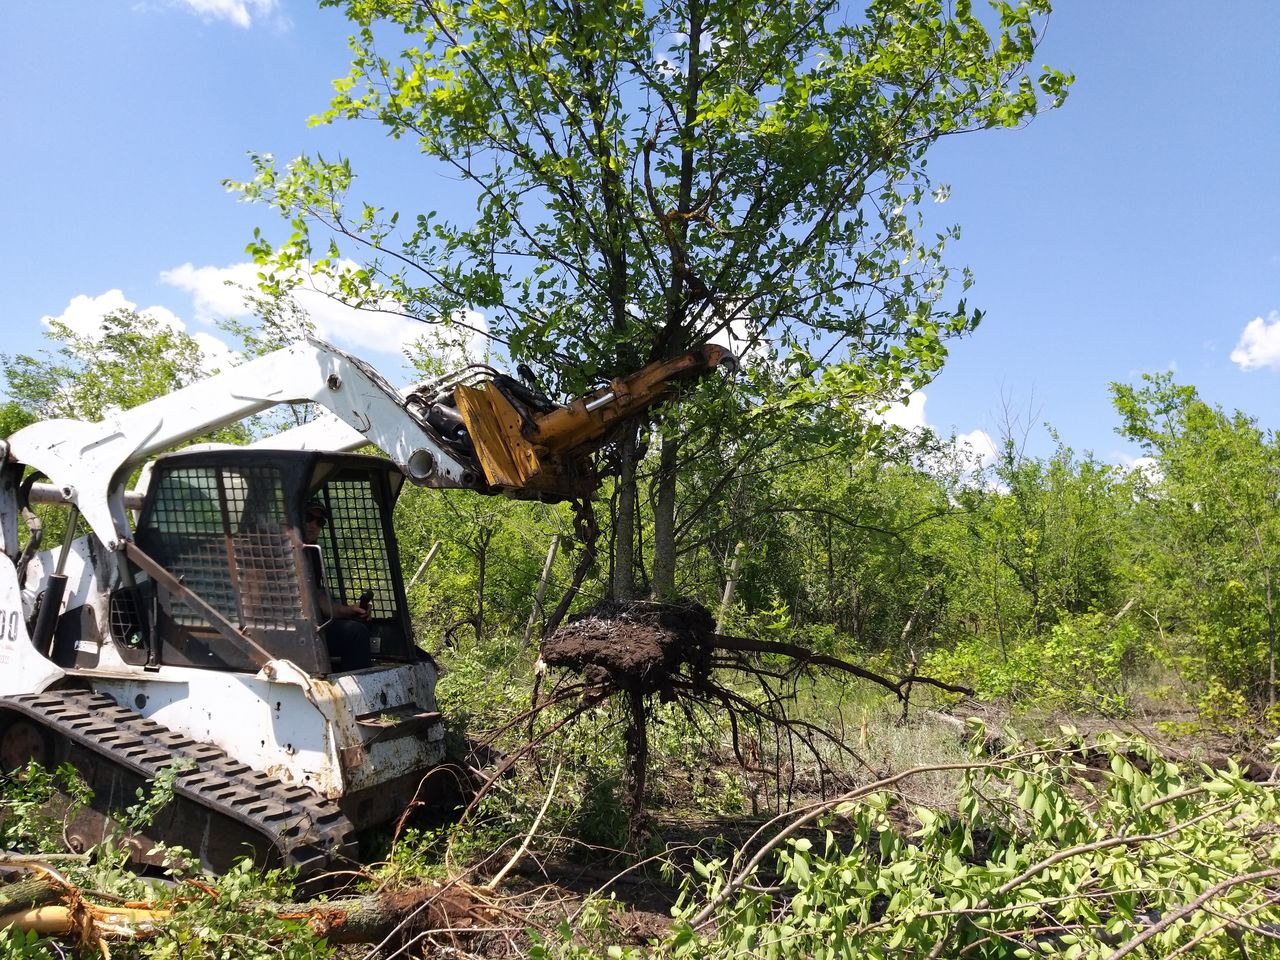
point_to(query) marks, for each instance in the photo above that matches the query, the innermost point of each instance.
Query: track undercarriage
(221, 809)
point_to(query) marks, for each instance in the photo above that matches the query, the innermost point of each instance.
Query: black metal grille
(356, 557)
(125, 617)
(224, 531)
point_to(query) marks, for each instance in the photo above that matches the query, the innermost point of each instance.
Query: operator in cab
(346, 628)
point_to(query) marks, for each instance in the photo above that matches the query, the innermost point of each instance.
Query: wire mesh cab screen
(228, 525)
(354, 544)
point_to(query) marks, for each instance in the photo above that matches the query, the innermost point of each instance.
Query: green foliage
(1049, 524)
(650, 177)
(13, 417)
(236, 920)
(16, 945)
(239, 921)
(1083, 662)
(487, 570)
(1208, 546)
(27, 822)
(133, 358)
(1042, 856)
(589, 935)
(1223, 709)
(798, 149)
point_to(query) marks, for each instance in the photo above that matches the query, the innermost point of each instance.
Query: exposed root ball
(637, 646)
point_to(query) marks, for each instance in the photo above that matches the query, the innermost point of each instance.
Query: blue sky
(1136, 229)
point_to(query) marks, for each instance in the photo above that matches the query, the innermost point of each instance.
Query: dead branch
(805, 655)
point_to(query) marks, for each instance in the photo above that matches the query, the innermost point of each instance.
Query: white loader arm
(91, 462)
(325, 432)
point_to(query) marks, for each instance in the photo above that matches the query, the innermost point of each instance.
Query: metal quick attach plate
(304, 830)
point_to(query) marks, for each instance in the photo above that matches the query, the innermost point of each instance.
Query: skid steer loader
(187, 626)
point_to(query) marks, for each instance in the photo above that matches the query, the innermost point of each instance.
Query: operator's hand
(347, 612)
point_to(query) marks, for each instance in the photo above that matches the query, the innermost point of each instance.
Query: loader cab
(239, 585)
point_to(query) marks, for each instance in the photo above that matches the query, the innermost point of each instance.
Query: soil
(636, 647)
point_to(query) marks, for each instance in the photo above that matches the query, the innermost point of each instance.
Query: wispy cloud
(222, 292)
(242, 13)
(1259, 344)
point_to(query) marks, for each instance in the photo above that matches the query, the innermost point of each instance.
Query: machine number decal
(9, 623)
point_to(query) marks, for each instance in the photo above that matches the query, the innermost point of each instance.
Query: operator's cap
(315, 506)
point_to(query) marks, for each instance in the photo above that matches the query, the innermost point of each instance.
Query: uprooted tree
(649, 176)
(631, 654)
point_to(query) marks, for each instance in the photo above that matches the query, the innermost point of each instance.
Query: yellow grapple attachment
(546, 453)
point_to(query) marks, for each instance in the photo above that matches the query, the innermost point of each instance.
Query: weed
(30, 820)
(16, 945)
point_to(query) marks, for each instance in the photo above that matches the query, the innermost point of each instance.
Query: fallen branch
(52, 908)
(405, 913)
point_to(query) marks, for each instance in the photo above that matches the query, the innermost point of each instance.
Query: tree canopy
(649, 176)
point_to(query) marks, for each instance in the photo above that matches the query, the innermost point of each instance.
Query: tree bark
(664, 522)
(637, 764)
(624, 531)
(390, 913)
(30, 893)
(482, 564)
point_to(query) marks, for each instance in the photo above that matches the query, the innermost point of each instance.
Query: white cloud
(84, 314)
(216, 291)
(344, 325)
(908, 415)
(380, 328)
(1147, 467)
(979, 445)
(215, 354)
(1259, 344)
(976, 445)
(238, 12)
(454, 346)
(969, 455)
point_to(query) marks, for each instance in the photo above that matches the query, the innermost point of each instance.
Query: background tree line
(649, 176)
(1055, 579)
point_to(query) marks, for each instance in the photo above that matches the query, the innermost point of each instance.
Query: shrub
(1081, 662)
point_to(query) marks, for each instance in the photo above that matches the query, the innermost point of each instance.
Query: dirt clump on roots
(639, 646)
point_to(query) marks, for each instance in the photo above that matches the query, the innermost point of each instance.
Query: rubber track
(308, 832)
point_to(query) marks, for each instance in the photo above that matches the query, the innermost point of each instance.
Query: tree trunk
(53, 909)
(664, 522)
(1271, 643)
(482, 565)
(29, 894)
(396, 914)
(637, 763)
(624, 531)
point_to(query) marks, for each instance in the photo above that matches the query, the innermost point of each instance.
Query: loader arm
(480, 430)
(525, 449)
(91, 462)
